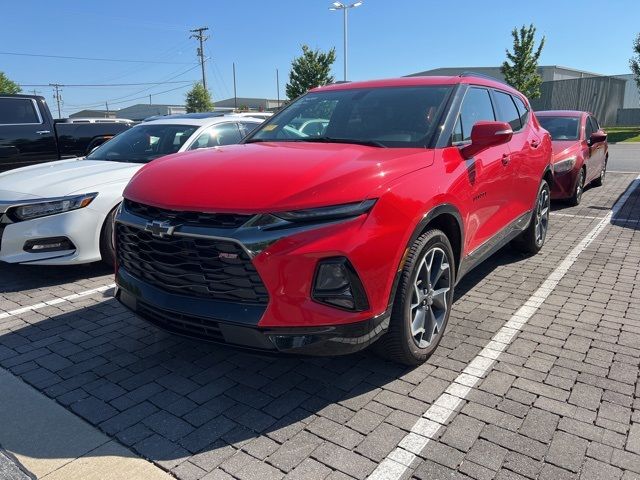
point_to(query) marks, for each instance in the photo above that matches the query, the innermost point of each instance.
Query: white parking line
(395, 465)
(556, 214)
(55, 301)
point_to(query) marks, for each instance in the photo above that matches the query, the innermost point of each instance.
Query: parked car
(29, 135)
(580, 152)
(62, 212)
(323, 244)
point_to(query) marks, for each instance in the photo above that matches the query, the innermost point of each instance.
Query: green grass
(623, 134)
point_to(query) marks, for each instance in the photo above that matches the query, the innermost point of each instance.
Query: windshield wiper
(355, 141)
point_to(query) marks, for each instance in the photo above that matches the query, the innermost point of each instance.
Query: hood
(564, 148)
(57, 179)
(269, 177)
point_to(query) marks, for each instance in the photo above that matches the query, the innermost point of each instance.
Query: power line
(128, 100)
(120, 60)
(102, 84)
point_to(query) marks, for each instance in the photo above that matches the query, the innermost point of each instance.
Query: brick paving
(563, 400)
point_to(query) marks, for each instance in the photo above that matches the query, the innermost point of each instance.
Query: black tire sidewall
(107, 249)
(401, 311)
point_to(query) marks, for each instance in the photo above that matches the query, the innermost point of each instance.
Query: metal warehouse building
(613, 99)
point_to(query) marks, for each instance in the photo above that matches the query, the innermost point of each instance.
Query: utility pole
(198, 33)
(278, 86)
(149, 99)
(235, 95)
(57, 95)
(107, 105)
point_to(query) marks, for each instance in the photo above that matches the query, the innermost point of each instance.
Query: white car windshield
(143, 143)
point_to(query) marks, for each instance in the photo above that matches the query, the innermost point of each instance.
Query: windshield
(382, 117)
(561, 128)
(143, 143)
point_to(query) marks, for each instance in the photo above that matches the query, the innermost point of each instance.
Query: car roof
(200, 122)
(561, 113)
(419, 81)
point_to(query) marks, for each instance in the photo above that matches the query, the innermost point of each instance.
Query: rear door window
(507, 111)
(218, 135)
(476, 107)
(18, 111)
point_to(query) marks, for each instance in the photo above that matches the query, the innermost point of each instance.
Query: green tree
(520, 70)
(634, 62)
(199, 99)
(8, 86)
(309, 70)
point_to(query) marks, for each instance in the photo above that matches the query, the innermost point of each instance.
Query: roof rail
(482, 75)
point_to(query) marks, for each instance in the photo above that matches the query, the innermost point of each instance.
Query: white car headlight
(564, 165)
(52, 207)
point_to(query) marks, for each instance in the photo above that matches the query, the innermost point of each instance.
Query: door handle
(535, 143)
(43, 132)
(505, 159)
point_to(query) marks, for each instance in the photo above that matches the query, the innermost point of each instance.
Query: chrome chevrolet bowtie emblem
(159, 228)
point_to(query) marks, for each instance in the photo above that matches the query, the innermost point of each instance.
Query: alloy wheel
(430, 297)
(542, 216)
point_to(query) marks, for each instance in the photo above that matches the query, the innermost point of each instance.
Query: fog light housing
(51, 244)
(337, 284)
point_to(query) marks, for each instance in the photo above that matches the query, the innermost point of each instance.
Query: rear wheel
(533, 238)
(598, 182)
(107, 248)
(576, 198)
(423, 301)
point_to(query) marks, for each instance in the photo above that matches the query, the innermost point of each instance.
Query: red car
(580, 152)
(322, 241)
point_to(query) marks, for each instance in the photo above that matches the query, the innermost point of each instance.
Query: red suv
(347, 217)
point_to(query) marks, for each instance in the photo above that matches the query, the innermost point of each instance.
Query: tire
(598, 182)
(578, 190)
(107, 249)
(532, 239)
(406, 344)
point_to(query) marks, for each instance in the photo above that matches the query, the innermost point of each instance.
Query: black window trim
(35, 108)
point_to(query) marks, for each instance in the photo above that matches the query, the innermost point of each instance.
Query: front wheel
(576, 198)
(598, 182)
(423, 300)
(107, 248)
(533, 238)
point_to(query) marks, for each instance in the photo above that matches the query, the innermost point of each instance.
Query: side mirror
(485, 135)
(597, 137)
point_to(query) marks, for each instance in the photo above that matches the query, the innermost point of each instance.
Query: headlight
(53, 207)
(564, 165)
(345, 210)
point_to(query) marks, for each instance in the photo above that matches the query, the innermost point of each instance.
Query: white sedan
(61, 213)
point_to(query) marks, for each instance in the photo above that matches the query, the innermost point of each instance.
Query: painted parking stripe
(395, 465)
(55, 301)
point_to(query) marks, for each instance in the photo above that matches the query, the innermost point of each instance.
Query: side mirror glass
(485, 135)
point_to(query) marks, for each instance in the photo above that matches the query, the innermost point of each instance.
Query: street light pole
(345, 7)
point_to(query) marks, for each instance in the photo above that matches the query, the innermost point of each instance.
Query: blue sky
(386, 38)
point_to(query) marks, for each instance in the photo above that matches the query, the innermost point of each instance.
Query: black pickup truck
(29, 135)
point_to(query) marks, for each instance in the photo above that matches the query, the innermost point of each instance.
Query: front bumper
(236, 324)
(564, 184)
(82, 227)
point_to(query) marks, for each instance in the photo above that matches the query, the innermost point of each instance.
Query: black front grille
(190, 266)
(179, 323)
(211, 220)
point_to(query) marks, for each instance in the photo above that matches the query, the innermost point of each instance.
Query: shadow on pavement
(168, 397)
(17, 278)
